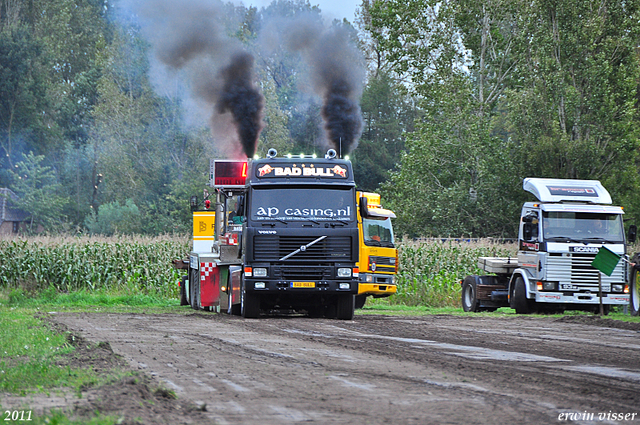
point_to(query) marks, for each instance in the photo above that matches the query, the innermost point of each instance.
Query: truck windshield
(583, 226)
(302, 204)
(377, 232)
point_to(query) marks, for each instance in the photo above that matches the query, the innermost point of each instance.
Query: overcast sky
(330, 8)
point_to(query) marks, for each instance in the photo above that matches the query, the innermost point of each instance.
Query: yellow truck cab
(378, 262)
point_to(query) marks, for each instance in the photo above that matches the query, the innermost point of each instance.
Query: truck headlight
(342, 272)
(548, 286)
(344, 285)
(259, 272)
(260, 285)
(617, 288)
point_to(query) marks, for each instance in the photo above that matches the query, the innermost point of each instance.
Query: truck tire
(194, 289)
(520, 302)
(469, 294)
(183, 290)
(249, 303)
(234, 309)
(634, 293)
(360, 301)
(345, 307)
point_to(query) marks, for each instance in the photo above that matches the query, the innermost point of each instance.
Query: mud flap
(209, 284)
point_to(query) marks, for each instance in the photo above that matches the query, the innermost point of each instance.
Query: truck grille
(274, 247)
(315, 273)
(576, 269)
(383, 264)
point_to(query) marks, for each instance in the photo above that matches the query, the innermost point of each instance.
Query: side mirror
(193, 203)
(240, 206)
(527, 231)
(364, 207)
(633, 234)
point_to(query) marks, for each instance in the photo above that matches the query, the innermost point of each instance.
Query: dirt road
(378, 369)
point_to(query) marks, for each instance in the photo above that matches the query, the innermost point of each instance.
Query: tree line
(462, 100)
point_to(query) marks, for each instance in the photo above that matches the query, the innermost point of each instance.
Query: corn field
(119, 264)
(430, 271)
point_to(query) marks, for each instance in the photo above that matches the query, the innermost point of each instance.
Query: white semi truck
(559, 236)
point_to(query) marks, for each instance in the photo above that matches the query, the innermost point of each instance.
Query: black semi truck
(282, 237)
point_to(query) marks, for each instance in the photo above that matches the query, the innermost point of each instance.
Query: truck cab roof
(574, 207)
(567, 190)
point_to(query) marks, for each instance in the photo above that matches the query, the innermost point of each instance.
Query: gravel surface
(440, 369)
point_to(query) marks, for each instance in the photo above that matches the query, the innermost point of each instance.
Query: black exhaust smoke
(189, 36)
(338, 81)
(242, 99)
(337, 73)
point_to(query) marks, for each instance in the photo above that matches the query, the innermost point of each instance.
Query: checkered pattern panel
(205, 270)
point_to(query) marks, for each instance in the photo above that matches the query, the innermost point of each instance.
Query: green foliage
(509, 90)
(388, 115)
(38, 191)
(575, 113)
(126, 266)
(115, 218)
(430, 272)
(464, 99)
(22, 91)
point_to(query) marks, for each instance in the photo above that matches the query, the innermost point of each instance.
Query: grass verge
(42, 366)
(35, 359)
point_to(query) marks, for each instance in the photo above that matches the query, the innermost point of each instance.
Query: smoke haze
(189, 36)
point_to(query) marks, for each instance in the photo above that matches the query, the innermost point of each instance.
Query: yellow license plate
(303, 284)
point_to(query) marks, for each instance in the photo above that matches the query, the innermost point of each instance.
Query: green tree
(38, 192)
(114, 218)
(574, 110)
(457, 177)
(22, 92)
(388, 114)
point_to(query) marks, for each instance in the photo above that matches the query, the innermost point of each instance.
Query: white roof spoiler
(558, 190)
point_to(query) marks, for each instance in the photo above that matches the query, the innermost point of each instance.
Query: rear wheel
(346, 307)
(469, 294)
(520, 302)
(634, 293)
(194, 289)
(249, 303)
(183, 290)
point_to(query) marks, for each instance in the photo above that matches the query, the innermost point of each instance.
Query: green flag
(605, 261)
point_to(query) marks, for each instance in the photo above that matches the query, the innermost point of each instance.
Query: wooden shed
(11, 218)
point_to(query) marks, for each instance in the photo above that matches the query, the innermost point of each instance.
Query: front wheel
(360, 301)
(634, 293)
(520, 302)
(346, 307)
(249, 303)
(469, 295)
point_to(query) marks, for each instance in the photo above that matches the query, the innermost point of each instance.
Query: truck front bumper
(376, 289)
(258, 285)
(582, 298)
